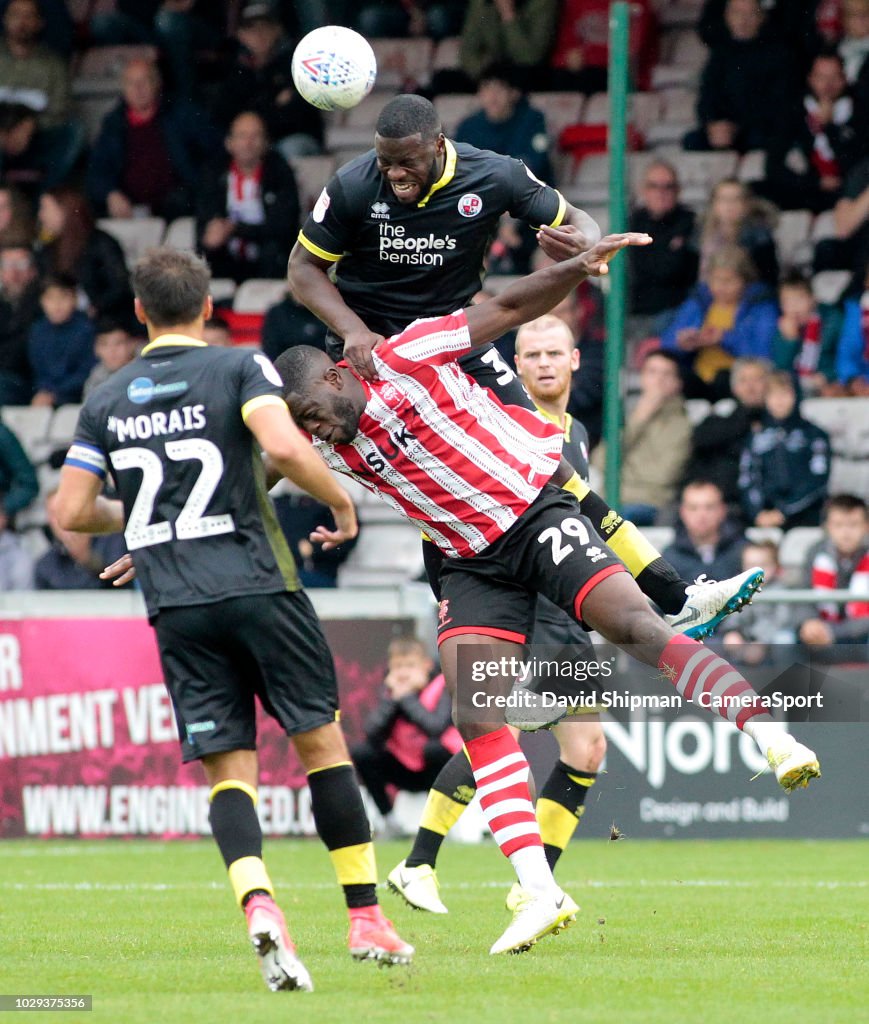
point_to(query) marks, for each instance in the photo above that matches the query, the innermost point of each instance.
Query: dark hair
(172, 285)
(64, 252)
(14, 114)
(218, 323)
(766, 544)
(795, 279)
(408, 115)
(501, 71)
(662, 353)
(701, 482)
(107, 324)
(297, 365)
(845, 503)
(64, 281)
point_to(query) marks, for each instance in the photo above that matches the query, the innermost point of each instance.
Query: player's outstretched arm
(309, 282)
(536, 294)
(291, 453)
(576, 234)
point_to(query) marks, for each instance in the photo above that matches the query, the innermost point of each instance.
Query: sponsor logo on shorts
(470, 204)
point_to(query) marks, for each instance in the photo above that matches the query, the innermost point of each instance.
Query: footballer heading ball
(334, 68)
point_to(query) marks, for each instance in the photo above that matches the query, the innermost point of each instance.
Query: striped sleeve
(433, 341)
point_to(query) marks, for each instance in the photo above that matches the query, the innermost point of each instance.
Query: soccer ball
(334, 68)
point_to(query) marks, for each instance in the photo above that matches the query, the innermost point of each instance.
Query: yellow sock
(355, 865)
(577, 486)
(633, 548)
(441, 812)
(557, 823)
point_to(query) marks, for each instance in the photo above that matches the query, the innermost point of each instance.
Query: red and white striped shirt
(439, 448)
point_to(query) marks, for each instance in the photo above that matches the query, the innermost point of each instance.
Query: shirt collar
(446, 177)
(173, 341)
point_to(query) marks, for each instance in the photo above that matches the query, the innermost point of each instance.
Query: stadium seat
(312, 173)
(61, 429)
(446, 54)
(386, 554)
(401, 62)
(560, 109)
(792, 237)
(135, 234)
(355, 127)
(453, 108)
(795, 545)
(752, 166)
(684, 48)
(850, 476)
(99, 70)
(660, 536)
(698, 409)
(828, 285)
(644, 109)
(181, 233)
(678, 13)
(91, 110)
(758, 534)
(29, 423)
(824, 226)
(679, 104)
(846, 420)
(259, 294)
(223, 289)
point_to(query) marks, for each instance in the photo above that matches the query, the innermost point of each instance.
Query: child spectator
(785, 465)
(409, 736)
(761, 626)
(728, 315)
(61, 344)
(852, 357)
(807, 335)
(114, 348)
(735, 217)
(840, 561)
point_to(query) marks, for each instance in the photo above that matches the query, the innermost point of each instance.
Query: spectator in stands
(409, 736)
(21, 163)
(815, 147)
(746, 84)
(506, 122)
(247, 209)
(33, 75)
(19, 308)
(852, 354)
(299, 515)
(707, 541)
(656, 442)
(114, 347)
(851, 222)
(736, 217)
(581, 55)
(16, 217)
(840, 561)
(289, 323)
(785, 465)
(519, 32)
(761, 632)
(57, 25)
(807, 336)
(61, 344)
(71, 243)
(802, 25)
(717, 441)
(661, 274)
(16, 564)
(397, 18)
(148, 154)
(727, 316)
(75, 560)
(177, 27)
(854, 50)
(261, 80)
(18, 483)
(216, 332)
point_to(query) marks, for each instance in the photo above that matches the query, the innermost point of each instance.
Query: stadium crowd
(749, 314)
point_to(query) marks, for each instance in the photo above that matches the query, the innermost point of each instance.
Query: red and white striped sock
(700, 675)
(501, 773)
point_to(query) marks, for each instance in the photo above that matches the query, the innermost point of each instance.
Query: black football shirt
(170, 429)
(397, 262)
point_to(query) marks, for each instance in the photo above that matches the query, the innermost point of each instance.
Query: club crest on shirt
(470, 204)
(321, 206)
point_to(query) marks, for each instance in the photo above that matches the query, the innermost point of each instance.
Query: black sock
(448, 797)
(660, 581)
(560, 807)
(339, 815)
(235, 825)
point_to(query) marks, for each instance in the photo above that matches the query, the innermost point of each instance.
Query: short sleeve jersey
(575, 447)
(395, 261)
(170, 430)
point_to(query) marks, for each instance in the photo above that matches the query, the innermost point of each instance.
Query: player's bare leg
(232, 777)
(619, 612)
(501, 773)
(339, 815)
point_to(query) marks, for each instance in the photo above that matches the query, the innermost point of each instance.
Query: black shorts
(217, 657)
(552, 549)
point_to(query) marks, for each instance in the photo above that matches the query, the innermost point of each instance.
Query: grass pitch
(670, 932)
